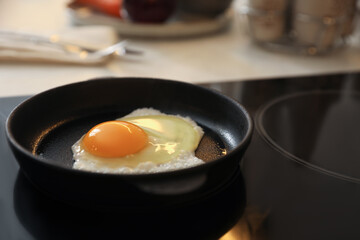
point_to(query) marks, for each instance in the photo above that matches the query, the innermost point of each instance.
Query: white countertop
(226, 56)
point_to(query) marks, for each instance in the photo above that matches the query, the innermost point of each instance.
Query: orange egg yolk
(114, 139)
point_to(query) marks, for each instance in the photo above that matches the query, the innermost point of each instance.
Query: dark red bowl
(207, 8)
(42, 129)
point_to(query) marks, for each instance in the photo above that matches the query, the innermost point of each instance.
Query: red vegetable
(109, 7)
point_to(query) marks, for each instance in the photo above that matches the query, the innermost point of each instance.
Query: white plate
(178, 27)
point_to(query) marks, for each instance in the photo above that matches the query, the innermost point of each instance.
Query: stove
(285, 188)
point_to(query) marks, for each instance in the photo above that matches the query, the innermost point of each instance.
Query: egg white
(182, 159)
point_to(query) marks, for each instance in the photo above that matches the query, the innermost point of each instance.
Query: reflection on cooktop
(298, 201)
(209, 218)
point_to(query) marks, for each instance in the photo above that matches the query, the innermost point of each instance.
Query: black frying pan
(42, 129)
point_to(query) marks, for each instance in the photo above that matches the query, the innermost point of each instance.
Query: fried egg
(143, 141)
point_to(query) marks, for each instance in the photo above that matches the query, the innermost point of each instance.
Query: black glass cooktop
(299, 179)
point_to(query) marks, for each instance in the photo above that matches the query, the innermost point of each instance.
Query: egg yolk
(114, 139)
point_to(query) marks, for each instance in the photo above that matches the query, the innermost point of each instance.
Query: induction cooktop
(299, 179)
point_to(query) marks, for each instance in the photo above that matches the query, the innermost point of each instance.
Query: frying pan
(42, 129)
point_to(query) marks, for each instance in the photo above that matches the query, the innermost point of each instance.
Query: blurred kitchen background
(193, 41)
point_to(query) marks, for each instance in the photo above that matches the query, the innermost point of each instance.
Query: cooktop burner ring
(307, 121)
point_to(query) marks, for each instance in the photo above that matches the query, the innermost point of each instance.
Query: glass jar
(306, 26)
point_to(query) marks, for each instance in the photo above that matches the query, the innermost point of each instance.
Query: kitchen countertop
(228, 55)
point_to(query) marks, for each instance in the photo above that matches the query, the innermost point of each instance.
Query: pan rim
(50, 163)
